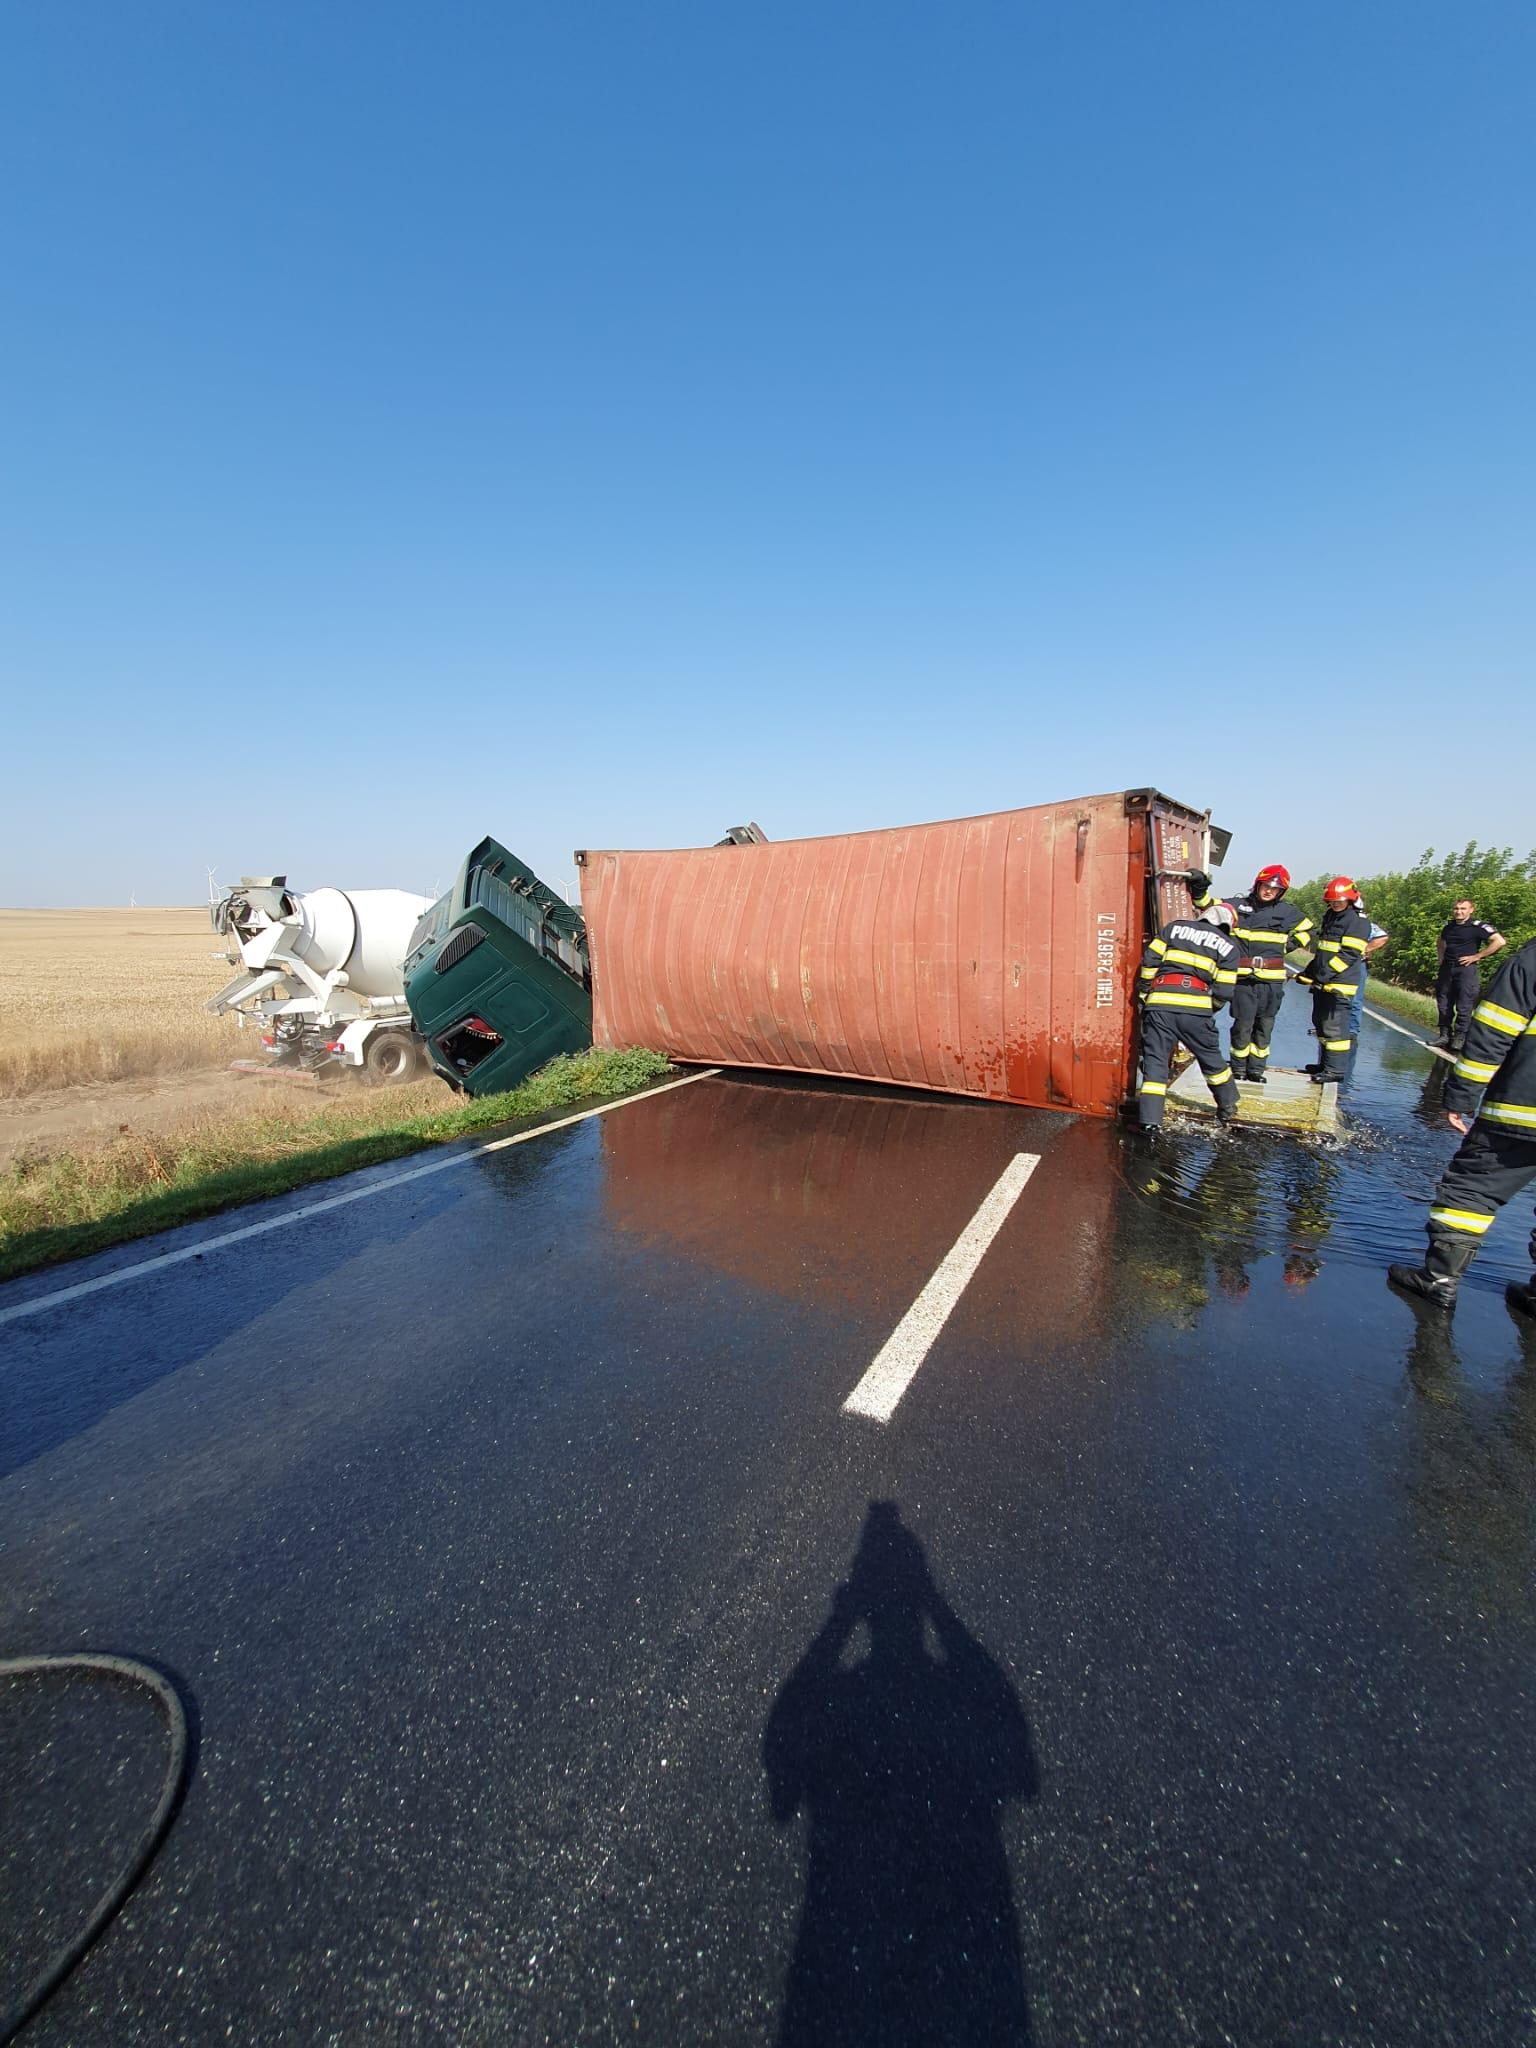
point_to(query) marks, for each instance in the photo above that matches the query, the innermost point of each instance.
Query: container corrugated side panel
(986, 956)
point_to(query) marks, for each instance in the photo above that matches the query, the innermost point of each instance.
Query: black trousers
(1457, 989)
(1255, 1006)
(1334, 1022)
(1489, 1168)
(1162, 1031)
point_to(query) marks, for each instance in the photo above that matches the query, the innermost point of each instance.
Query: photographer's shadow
(903, 1763)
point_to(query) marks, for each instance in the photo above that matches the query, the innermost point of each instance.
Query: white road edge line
(895, 1368)
(1439, 1051)
(158, 1264)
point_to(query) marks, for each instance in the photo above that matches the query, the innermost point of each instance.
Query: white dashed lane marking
(914, 1336)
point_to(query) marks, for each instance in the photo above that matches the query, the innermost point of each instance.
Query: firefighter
(1267, 928)
(1334, 973)
(1497, 1155)
(1462, 943)
(1187, 971)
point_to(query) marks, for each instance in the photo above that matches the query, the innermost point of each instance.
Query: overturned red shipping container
(991, 956)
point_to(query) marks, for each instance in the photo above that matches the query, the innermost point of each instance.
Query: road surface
(571, 1663)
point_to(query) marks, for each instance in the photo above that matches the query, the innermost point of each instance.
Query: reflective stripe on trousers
(1161, 1034)
(1255, 1006)
(1330, 1020)
(1489, 1168)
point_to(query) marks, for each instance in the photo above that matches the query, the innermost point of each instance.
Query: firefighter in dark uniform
(1187, 971)
(1497, 1155)
(1267, 928)
(1460, 945)
(1336, 971)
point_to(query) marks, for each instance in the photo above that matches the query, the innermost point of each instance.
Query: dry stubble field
(115, 1082)
(108, 995)
(119, 1114)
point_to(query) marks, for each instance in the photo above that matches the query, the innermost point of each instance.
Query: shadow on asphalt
(902, 1763)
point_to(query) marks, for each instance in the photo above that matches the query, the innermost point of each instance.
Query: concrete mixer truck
(322, 975)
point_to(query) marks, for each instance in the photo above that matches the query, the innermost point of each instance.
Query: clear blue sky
(599, 424)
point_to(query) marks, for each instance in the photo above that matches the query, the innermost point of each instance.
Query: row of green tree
(1415, 906)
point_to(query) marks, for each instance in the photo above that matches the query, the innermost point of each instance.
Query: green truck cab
(496, 975)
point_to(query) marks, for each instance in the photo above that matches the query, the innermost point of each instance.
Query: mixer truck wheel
(390, 1056)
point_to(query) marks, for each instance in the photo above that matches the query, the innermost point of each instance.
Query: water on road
(569, 1665)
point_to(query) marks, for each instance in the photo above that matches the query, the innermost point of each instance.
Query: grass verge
(61, 1205)
(1406, 1002)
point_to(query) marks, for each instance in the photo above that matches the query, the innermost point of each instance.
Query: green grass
(1407, 1002)
(63, 1204)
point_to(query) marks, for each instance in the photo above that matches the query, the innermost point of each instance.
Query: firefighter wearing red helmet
(1336, 972)
(1267, 928)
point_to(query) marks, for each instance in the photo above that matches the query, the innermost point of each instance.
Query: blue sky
(601, 424)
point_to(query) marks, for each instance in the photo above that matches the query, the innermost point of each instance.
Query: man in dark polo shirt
(1461, 944)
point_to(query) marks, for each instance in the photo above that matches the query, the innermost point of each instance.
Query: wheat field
(108, 995)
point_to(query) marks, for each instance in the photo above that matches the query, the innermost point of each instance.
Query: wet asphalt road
(556, 1679)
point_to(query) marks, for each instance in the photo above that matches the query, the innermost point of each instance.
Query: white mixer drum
(363, 931)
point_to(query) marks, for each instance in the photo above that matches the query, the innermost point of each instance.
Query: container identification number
(1104, 960)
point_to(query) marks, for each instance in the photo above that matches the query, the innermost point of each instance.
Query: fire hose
(172, 1787)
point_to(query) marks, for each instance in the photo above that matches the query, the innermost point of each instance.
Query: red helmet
(1340, 890)
(1274, 873)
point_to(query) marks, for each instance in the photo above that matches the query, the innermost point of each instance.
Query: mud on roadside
(65, 1117)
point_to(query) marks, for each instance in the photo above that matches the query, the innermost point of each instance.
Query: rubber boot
(1439, 1278)
(1522, 1299)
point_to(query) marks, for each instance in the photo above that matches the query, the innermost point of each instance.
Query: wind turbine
(213, 887)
